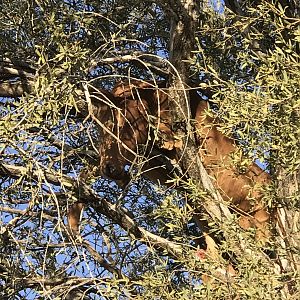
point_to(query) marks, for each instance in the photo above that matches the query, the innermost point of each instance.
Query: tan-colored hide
(243, 190)
(140, 104)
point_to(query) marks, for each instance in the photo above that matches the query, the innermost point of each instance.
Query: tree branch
(15, 88)
(86, 195)
(181, 47)
(97, 257)
(146, 60)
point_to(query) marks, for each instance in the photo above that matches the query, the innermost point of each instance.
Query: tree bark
(184, 20)
(288, 225)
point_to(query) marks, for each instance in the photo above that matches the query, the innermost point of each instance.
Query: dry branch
(154, 63)
(86, 195)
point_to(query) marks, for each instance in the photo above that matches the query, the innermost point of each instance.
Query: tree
(141, 241)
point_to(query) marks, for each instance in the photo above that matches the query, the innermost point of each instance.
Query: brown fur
(243, 190)
(137, 104)
(74, 214)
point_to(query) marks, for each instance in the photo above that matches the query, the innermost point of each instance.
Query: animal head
(125, 128)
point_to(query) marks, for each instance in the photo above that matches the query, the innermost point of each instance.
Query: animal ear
(102, 98)
(123, 89)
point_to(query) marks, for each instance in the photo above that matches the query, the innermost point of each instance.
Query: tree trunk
(184, 22)
(288, 225)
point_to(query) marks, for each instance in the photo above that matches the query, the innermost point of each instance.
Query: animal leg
(74, 215)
